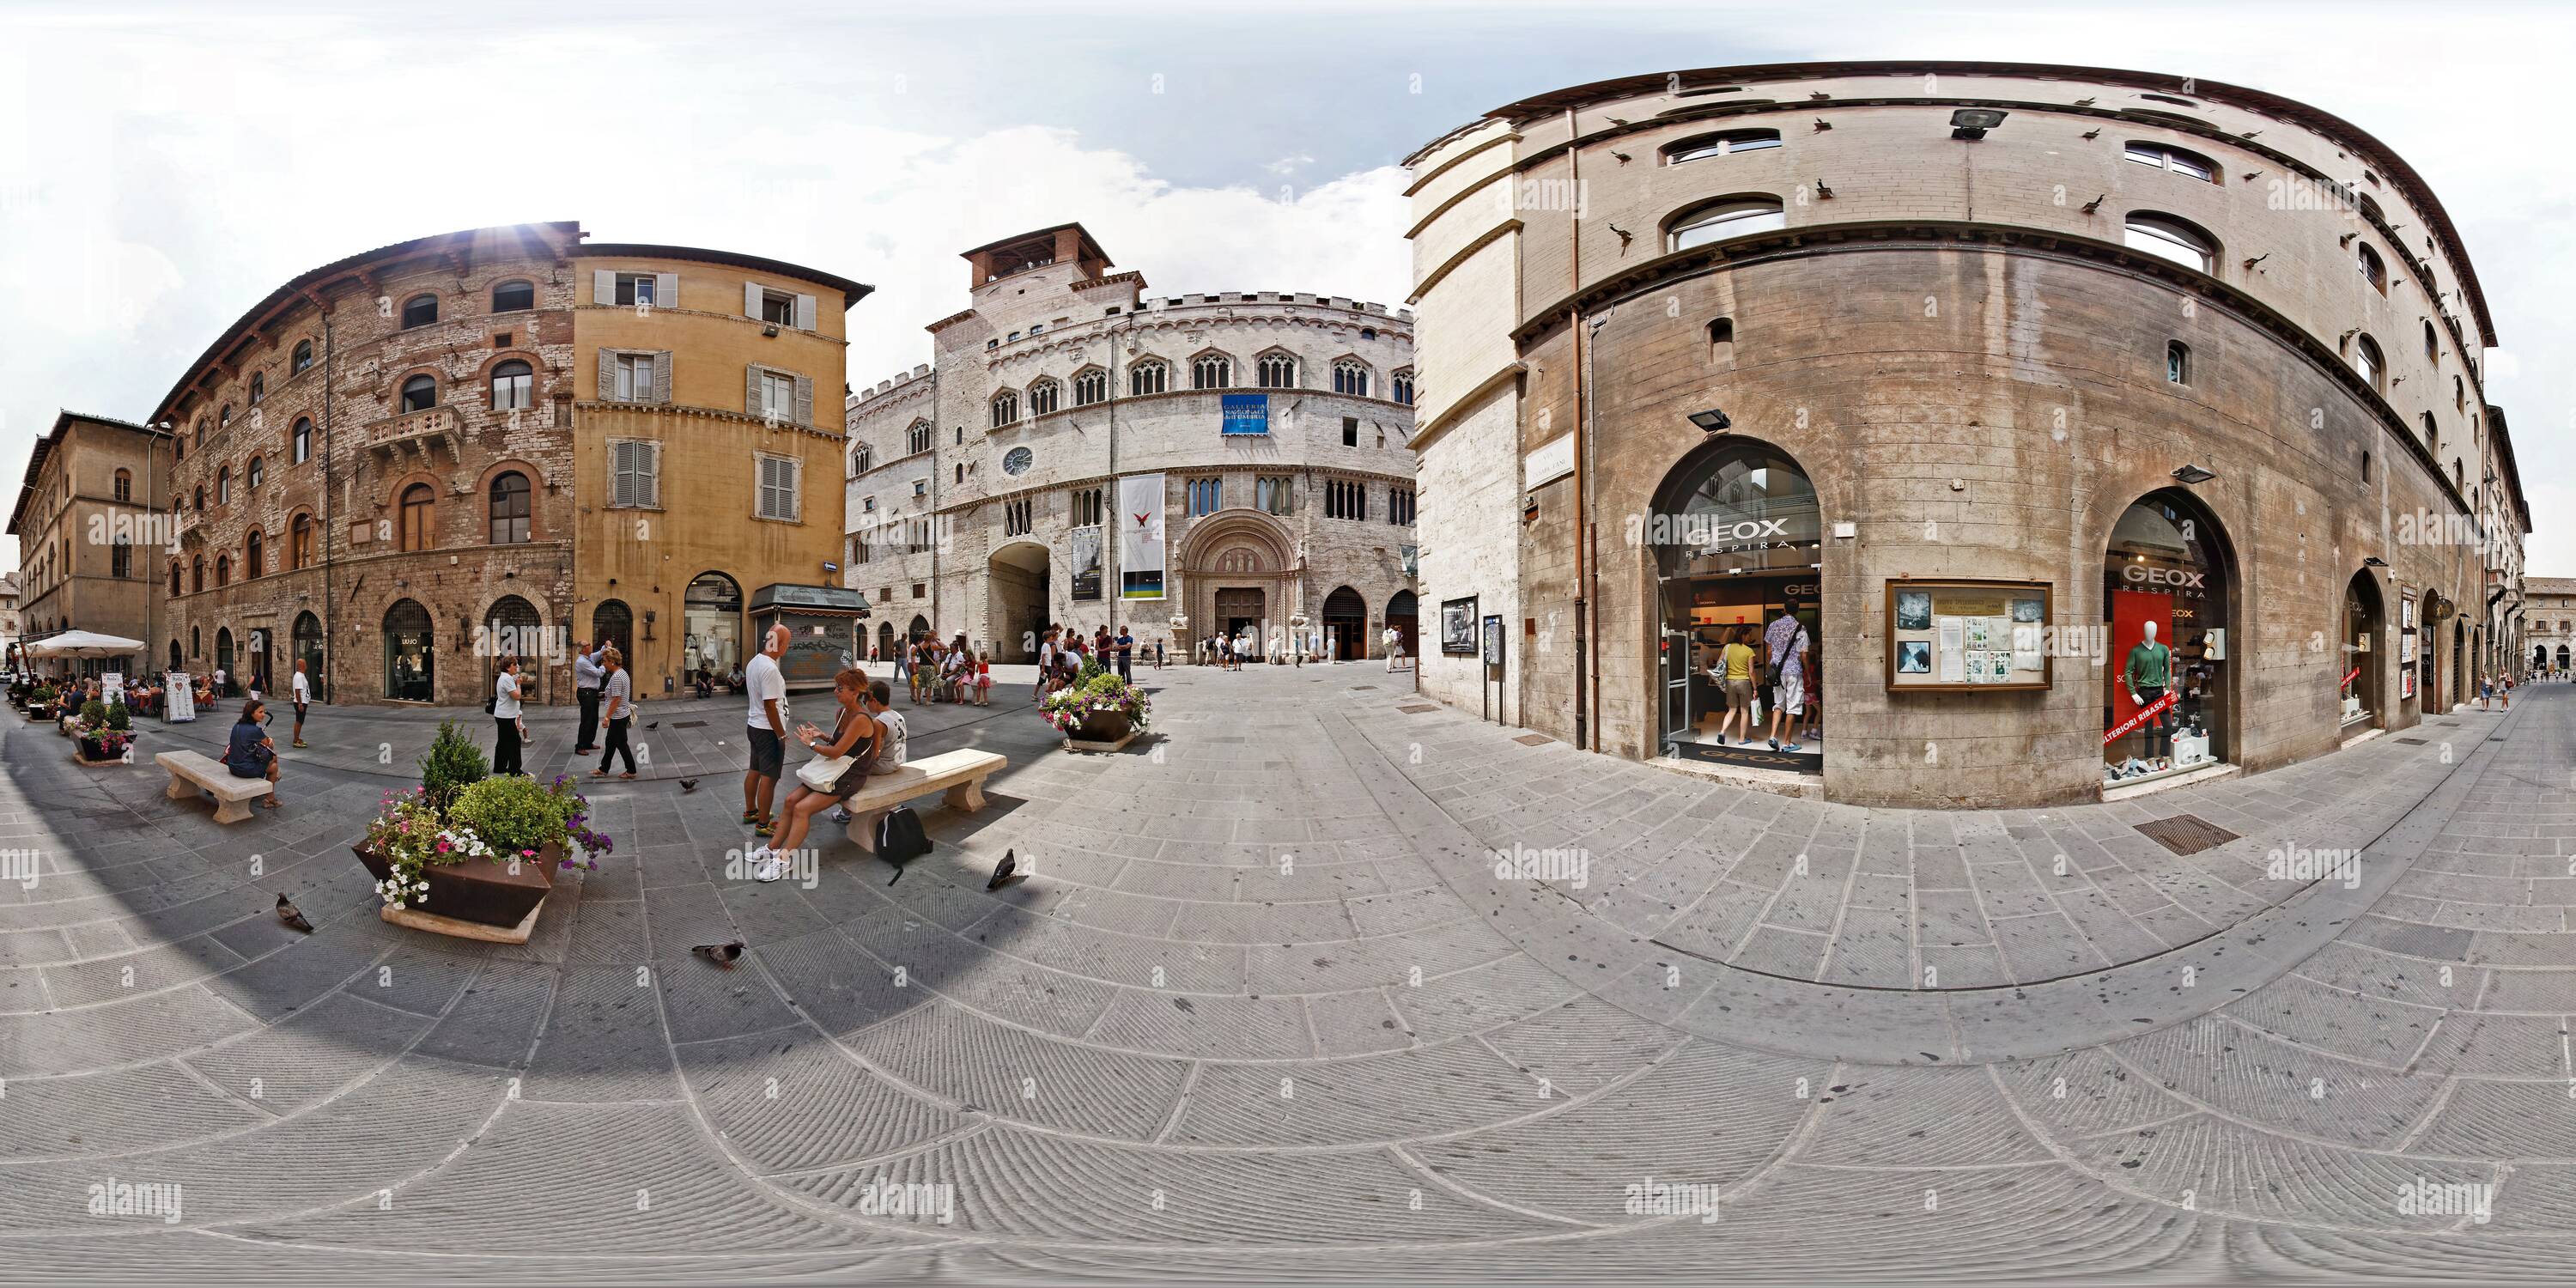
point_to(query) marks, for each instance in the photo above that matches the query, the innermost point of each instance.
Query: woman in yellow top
(1736, 661)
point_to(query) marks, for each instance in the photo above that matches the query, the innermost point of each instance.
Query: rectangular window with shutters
(777, 488)
(777, 307)
(1273, 493)
(638, 288)
(1207, 496)
(777, 397)
(630, 376)
(635, 473)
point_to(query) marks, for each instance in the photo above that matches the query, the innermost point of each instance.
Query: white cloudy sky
(162, 166)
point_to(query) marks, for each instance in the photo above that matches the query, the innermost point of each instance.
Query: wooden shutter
(804, 312)
(662, 376)
(666, 290)
(751, 300)
(608, 373)
(804, 401)
(795, 472)
(648, 487)
(751, 405)
(603, 286)
(621, 473)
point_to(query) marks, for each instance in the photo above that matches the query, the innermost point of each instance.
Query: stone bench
(191, 773)
(960, 774)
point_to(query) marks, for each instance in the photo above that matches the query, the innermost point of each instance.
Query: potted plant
(1097, 707)
(100, 734)
(40, 704)
(453, 764)
(488, 857)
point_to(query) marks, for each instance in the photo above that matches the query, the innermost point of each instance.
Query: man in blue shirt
(587, 676)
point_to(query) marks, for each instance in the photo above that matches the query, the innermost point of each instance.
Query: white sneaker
(770, 867)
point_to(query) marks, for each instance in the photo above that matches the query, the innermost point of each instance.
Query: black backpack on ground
(900, 839)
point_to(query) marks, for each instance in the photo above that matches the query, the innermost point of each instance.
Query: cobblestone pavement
(1313, 983)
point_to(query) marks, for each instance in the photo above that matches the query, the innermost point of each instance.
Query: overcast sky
(162, 167)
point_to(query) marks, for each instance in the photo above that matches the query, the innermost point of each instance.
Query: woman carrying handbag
(839, 768)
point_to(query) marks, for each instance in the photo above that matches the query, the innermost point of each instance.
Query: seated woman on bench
(251, 754)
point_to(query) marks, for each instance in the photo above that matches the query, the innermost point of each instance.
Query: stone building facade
(989, 491)
(2549, 624)
(89, 525)
(2096, 349)
(405, 464)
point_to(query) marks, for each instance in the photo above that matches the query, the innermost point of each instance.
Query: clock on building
(1018, 460)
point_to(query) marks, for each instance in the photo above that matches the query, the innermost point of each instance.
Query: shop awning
(810, 599)
(83, 644)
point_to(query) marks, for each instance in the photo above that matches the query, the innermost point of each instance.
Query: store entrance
(1739, 552)
(2166, 706)
(2361, 663)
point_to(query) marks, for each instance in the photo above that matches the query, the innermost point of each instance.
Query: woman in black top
(250, 753)
(855, 736)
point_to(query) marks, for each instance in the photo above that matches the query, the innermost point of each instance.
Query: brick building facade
(399, 466)
(984, 491)
(1708, 349)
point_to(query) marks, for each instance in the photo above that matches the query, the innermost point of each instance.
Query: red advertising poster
(2131, 610)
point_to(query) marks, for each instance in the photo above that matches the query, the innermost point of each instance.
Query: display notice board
(178, 698)
(1969, 634)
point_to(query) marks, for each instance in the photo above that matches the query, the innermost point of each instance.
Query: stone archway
(1240, 550)
(1019, 591)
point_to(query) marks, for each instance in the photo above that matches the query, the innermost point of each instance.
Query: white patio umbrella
(83, 644)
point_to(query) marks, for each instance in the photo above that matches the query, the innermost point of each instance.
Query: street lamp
(2190, 474)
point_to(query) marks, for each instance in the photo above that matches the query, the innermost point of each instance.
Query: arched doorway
(411, 654)
(612, 622)
(1738, 540)
(2360, 662)
(1239, 576)
(1019, 587)
(224, 656)
(918, 631)
(885, 641)
(308, 650)
(512, 628)
(711, 626)
(2565, 657)
(2463, 683)
(258, 662)
(178, 660)
(1401, 615)
(1345, 625)
(2166, 693)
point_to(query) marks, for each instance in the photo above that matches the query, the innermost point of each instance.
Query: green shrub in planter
(117, 718)
(513, 815)
(93, 713)
(453, 764)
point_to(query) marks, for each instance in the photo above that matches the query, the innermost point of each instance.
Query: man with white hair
(767, 686)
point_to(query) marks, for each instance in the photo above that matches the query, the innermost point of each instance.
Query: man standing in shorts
(1786, 641)
(303, 694)
(768, 730)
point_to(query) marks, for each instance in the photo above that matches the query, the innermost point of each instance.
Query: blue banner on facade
(1247, 413)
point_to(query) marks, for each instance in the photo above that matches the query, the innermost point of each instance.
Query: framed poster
(178, 698)
(1969, 634)
(1493, 641)
(1086, 563)
(1458, 626)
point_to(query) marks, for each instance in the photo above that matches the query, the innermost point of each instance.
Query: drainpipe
(1583, 673)
(330, 648)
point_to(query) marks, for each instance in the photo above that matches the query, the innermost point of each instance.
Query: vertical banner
(1140, 542)
(1086, 563)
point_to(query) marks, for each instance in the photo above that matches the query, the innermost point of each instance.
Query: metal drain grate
(688, 724)
(2186, 833)
(2412, 742)
(1533, 739)
(1417, 708)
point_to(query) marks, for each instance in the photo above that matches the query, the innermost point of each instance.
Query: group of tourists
(1064, 650)
(948, 672)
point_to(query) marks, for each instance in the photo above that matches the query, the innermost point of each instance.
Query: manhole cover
(2412, 742)
(2186, 833)
(688, 724)
(1417, 708)
(1533, 739)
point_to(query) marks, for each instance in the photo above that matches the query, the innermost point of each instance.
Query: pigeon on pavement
(721, 954)
(292, 915)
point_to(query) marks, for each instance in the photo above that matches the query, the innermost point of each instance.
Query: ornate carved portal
(1240, 569)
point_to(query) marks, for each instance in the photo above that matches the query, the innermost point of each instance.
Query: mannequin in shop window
(2149, 673)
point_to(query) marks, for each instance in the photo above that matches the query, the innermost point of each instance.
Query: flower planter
(93, 753)
(479, 892)
(1102, 726)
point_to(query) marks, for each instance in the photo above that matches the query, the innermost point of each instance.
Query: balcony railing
(415, 433)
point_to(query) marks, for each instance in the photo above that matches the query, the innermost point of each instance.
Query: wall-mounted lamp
(2190, 474)
(1973, 122)
(1712, 421)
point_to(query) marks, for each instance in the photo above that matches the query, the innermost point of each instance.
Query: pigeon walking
(688, 785)
(721, 954)
(1002, 871)
(292, 915)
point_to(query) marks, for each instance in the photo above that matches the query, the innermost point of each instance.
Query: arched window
(255, 473)
(198, 572)
(1350, 378)
(917, 439)
(2165, 156)
(861, 459)
(2166, 237)
(2460, 397)
(1721, 219)
(178, 447)
(420, 393)
(1043, 396)
(1703, 146)
(199, 501)
(2432, 342)
(1275, 371)
(253, 557)
(419, 310)
(1006, 408)
(224, 486)
(1400, 387)
(2366, 359)
(175, 583)
(224, 418)
(1090, 387)
(223, 571)
(419, 512)
(2373, 269)
(514, 385)
(2432, 434)
(1212, 371)
(258, 387)
(303, 440)
(125, 485)
(510, 297)
(1148, 377)
(299, 542)
(302, 359)
(196, 642)
(509, 508)
(2177, 362)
